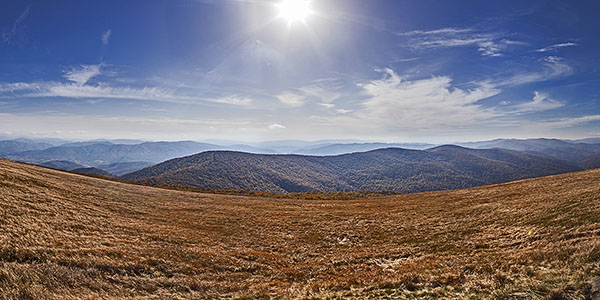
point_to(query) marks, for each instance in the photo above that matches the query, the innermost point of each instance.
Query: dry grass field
(67, 236)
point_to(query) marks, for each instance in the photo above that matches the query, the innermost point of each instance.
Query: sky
(244, 70)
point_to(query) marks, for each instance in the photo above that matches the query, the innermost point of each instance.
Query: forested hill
(395, 169)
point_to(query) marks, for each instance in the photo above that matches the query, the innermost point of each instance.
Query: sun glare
(294, 10)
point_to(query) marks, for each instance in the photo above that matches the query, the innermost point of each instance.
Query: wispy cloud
(540, 102)
(552, 67)
(9, 35)
(291, 99)
(343, 111)
(276, 126)
(568, 122)
(234, 100)
(82, 74)
(80, 88)
(324, 92)
(488, 44)
(106, 37)
(556, 46)
(436, 31)
(397, 102)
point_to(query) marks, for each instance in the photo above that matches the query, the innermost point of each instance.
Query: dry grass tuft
(66, 236)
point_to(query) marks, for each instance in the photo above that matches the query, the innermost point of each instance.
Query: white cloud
(234, 100)
(82, 74)
(103, 91)
(487, 44)
(556, 46)
(552, 67)
(319, 92)
(80, 89)
(106, 37)
(569, 122)
(324, 91)
(291, 99)
(276, 126)
(436, 32)
(394, 102)
(540, 102)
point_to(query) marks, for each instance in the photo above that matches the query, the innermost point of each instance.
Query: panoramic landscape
(300, 149)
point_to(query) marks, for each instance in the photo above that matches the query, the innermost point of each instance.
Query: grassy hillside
(392, 169)
(67, 236)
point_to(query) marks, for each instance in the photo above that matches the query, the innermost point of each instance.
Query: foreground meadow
(67, 236)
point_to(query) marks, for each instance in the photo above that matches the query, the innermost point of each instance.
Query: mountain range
(560, 149)
(394, 169)
(312, 166)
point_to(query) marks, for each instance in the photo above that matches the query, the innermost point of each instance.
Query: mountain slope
(559, 149)
(592, 162)
(125, 167)
(67, 236)
(61, 165)
(402, 170)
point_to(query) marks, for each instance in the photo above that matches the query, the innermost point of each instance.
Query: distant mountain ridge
(20, 145)
(336, 149)
(133, 155)
(565, 150)
(396, 169)
(104, 153)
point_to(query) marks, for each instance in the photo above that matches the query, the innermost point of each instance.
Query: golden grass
(67, 236)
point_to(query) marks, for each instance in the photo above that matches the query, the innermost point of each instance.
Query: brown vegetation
(70, 236)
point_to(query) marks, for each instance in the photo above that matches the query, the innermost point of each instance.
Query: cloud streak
(291, 99)
(106, 37)
(79, 87)
(540, 102)
(487, 44)
(556, 47)
(82, 74)
(9, 35)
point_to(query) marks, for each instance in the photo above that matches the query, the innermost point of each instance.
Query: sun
(294, 10)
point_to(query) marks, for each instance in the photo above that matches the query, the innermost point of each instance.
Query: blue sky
(431, 71)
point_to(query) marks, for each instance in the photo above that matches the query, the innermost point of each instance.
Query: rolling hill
(68, 236)
(394, 169)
